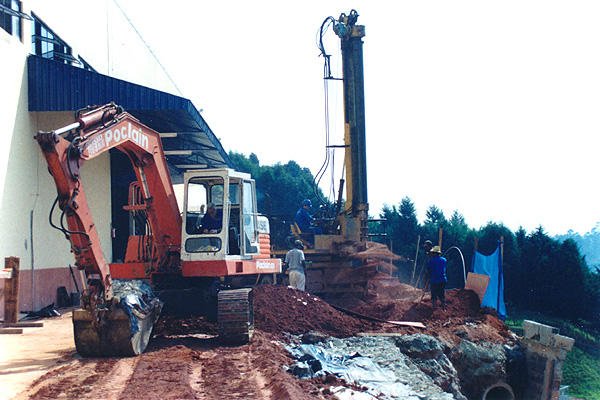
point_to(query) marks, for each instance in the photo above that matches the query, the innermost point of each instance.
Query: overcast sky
(488, 108)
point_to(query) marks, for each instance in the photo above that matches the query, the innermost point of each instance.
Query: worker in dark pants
(436, 267)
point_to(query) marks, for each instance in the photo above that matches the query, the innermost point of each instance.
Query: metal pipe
(74, 125)
(463, 263)
(354, 112)
(32, 261)
(498, 391)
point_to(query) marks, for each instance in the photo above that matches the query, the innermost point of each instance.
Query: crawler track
(236, 316)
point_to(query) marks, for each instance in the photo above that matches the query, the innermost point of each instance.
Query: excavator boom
(112, 322)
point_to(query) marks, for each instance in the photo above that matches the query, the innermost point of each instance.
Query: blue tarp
(492, 266)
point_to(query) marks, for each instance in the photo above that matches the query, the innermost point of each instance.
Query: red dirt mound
(463, 318)
(279, 309)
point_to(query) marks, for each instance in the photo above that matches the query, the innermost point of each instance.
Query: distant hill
(589, 245)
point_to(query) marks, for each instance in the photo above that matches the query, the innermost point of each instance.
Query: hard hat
(306, 202)
(436, 249)
(298, 244)
(427, 243)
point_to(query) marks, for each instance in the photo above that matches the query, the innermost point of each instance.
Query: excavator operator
(212, 221)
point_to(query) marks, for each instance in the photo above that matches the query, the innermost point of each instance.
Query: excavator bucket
(123, 328)
(111, 334)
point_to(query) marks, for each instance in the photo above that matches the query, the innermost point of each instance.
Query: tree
(434, 221)
(280, 187)
(457, 230)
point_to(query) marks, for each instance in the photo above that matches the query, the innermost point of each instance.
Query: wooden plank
(407, 323)
(23, 325)
(11, 291)
(11, 331)
(477, 283)
(381, 334)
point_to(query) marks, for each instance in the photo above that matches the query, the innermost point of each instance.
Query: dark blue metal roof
(54, 86)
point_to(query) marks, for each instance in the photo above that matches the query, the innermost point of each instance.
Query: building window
(10, 17)
(85, 65)
(48, 45)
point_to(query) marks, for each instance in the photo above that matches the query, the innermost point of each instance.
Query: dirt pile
(463, 318)
(279, 309)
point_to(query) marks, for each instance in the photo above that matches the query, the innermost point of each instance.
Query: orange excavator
(169, 251)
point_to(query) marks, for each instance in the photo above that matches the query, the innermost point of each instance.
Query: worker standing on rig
(436, 267)
(295, 262)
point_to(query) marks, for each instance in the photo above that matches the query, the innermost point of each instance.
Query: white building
(51, 65)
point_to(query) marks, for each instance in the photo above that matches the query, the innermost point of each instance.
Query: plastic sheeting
(492, 266)
(137, 300)
(363, 371)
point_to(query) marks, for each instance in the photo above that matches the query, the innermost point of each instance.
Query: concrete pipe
(499, 391)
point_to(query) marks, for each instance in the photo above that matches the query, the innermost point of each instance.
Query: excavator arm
(105, 325)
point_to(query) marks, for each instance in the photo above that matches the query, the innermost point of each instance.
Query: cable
(62, 228)
(62, 217)
(328, 151)
(148, 47)
(320, 33)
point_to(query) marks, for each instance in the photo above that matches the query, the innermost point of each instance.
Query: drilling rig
(343, 262)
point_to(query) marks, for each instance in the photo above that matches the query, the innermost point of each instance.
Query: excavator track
(235, 316)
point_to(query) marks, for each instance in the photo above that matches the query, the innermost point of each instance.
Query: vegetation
(280, 187)
(540, 273)
(581, 372)
(589, 244)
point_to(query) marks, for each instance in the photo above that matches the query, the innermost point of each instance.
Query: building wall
(101, 34)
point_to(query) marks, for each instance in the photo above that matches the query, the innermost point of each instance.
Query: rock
(428, 355)
(479, 366)
(313, 337)
(420, 346)
(516, 369)
(385, 352)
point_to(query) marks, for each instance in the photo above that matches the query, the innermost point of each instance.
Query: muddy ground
(185, 361)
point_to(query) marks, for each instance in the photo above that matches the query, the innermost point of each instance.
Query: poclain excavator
(167, 251)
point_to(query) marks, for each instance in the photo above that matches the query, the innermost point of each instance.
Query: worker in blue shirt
(304, 219)
(436, 267)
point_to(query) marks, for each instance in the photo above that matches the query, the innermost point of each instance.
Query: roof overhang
(188, 141)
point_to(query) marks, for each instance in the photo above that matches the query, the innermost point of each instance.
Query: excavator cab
(231, 228)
